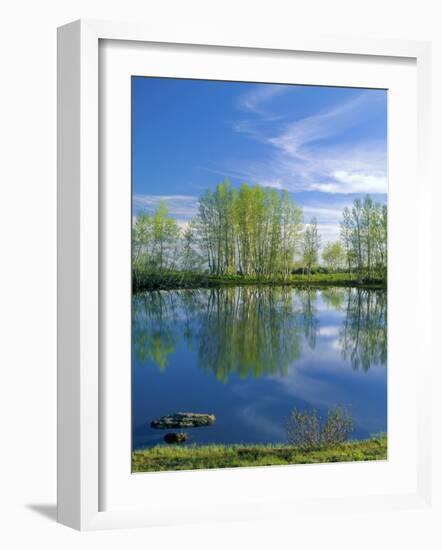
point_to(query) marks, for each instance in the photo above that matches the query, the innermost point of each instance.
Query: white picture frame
(80, 293)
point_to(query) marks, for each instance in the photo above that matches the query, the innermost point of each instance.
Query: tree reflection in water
(334, 296)
(363, 336)
(249, 331)
(255, 330)
(155, 332)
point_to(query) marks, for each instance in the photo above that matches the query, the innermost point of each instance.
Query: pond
(251, 354)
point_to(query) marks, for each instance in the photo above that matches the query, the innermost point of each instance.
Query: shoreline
(179, 282)
(194, 457)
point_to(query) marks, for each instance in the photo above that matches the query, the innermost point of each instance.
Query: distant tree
(141, 237)
(333, 255)
(311, 245)
(346, 238)
(191, 259)
(379, 239)
(215, 226)
(368, 224)
(290, 233)
(364, 238)
(165, 236)
(357, 236)
(155, 240)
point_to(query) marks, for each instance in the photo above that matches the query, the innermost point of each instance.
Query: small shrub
(306, 431)
(337, 427)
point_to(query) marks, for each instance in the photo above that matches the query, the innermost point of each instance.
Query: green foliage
(254, 231)
(306, 431)
(364, 238)
(333, 255)
(155, 241)
(311, 245)
(143, 279)
(191, 258)
(255, 234)
(191, 457)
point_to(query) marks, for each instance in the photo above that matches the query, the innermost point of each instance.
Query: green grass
(195, 457)
(176, 280)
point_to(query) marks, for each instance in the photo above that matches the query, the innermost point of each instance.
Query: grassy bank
(177, 280)
(193, 457)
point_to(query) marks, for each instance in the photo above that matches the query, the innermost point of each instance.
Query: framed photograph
(236, 335)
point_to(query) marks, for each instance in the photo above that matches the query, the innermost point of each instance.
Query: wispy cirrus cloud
(322, 125)
(256, 100)
(182, 207)
(310, 153)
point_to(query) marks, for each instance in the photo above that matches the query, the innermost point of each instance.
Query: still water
(250, 355)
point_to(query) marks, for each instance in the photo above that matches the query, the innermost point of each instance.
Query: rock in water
(183, 420)
(175, 437)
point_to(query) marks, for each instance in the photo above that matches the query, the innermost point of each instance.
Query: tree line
(258, 232)
(254, 231)
(364, 238)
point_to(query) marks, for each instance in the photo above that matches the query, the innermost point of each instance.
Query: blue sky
(325, 145)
